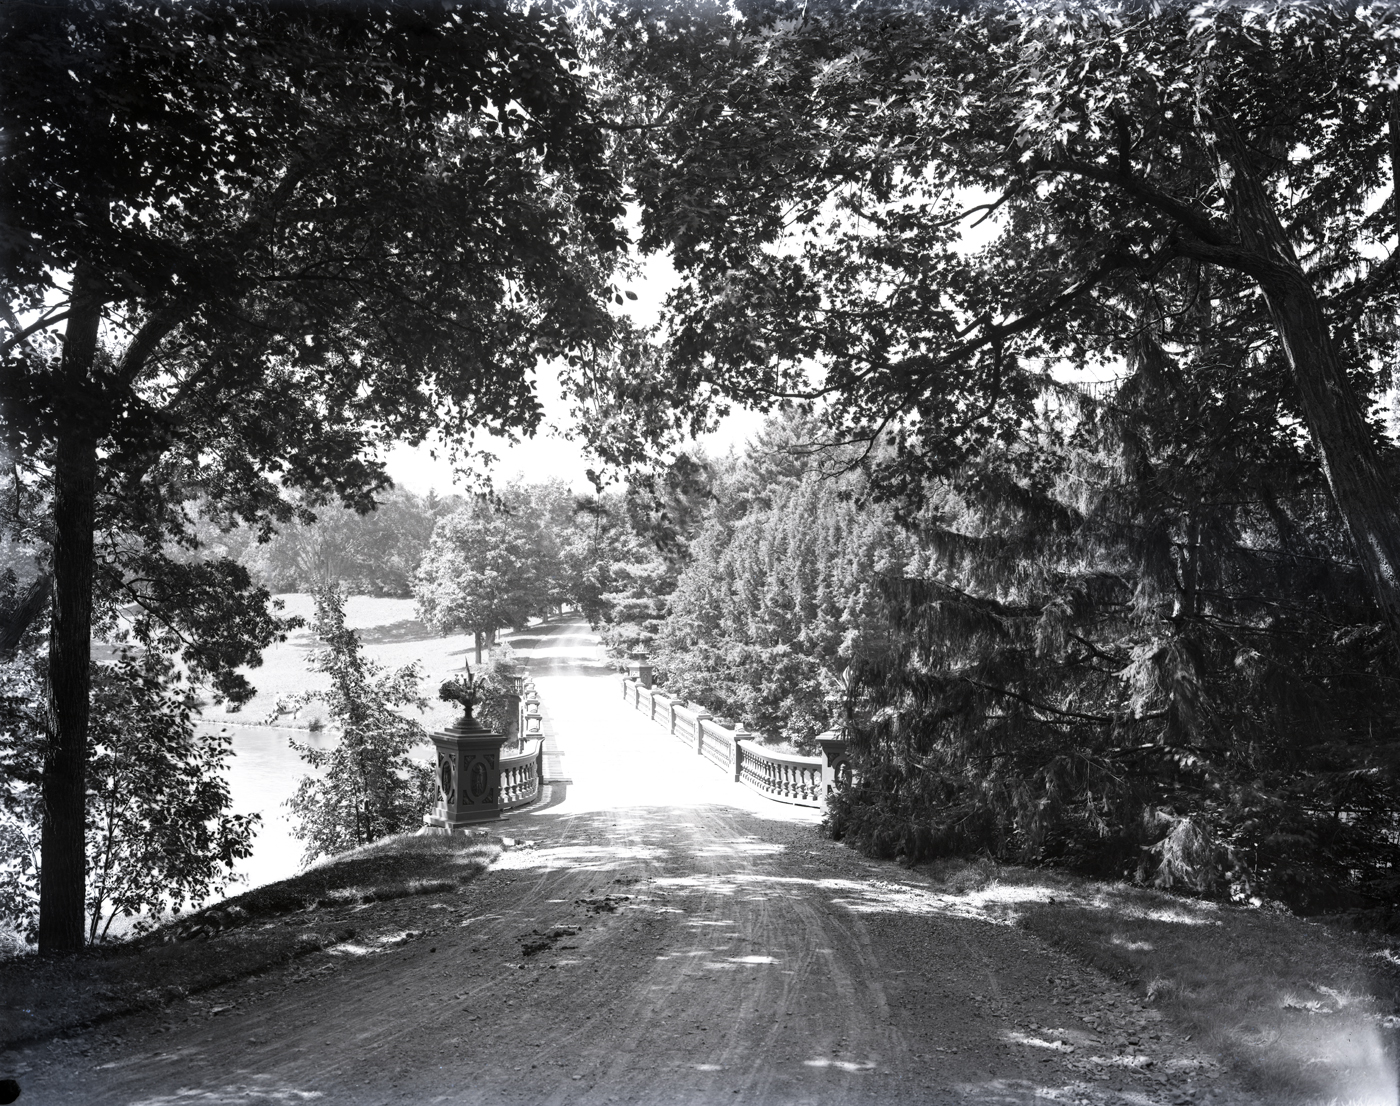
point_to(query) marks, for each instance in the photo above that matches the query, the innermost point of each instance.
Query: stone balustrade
(685, 724)
(530, 713)
(781, 776)
(522, 771)
(718, 744)
(521, 774)
(784, 777)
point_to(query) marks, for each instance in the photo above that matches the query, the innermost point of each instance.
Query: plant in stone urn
(468, 759)
(466, 691)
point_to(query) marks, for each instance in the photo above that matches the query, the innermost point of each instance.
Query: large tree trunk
(1365, 494)
(62, 844)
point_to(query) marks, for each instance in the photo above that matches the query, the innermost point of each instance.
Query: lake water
(263, 773)
(264, 770)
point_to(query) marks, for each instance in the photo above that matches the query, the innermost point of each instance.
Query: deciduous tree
(813, 169)
(161, 834)
(374, 553)
(367, 785)
(243, 243)
(480, 572)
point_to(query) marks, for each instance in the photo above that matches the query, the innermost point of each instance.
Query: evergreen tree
(812, 174)
(1136, 642)
(665, 508)
(778, 599)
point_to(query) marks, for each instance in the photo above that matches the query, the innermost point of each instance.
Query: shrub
(159, 833)
(368, 785)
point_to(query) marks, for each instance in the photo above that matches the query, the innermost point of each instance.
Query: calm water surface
(262, 775)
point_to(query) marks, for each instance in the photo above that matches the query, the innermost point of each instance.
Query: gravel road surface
(657, 934)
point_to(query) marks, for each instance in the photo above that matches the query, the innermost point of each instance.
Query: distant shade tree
(483, 571)
(375, 552)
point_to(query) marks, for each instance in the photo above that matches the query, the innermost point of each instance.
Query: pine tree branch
(1096, 719)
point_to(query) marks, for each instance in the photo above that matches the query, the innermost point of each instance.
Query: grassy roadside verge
(239, 937)
(1303, 1011)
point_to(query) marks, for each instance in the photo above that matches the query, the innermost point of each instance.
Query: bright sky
(548, 455)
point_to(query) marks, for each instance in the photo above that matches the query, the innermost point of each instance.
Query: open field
(392, 636)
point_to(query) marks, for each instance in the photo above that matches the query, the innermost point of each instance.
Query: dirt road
(666, 937)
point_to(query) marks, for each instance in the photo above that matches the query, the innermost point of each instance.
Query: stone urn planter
(468, 765)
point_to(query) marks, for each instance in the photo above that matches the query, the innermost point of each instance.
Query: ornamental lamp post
(468, 763)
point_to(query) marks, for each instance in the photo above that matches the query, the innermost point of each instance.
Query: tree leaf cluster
(374, 553)
(493, 564)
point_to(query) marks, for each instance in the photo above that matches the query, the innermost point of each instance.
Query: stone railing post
(740, 734)
(640, 671)
(532, 714)
(835, 760)
(469, 775)
(529, 698)
(700, 717)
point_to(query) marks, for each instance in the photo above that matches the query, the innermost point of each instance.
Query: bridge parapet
(783, 777)
(521, 773)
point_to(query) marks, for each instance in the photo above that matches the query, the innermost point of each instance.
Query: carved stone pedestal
(469, 776)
